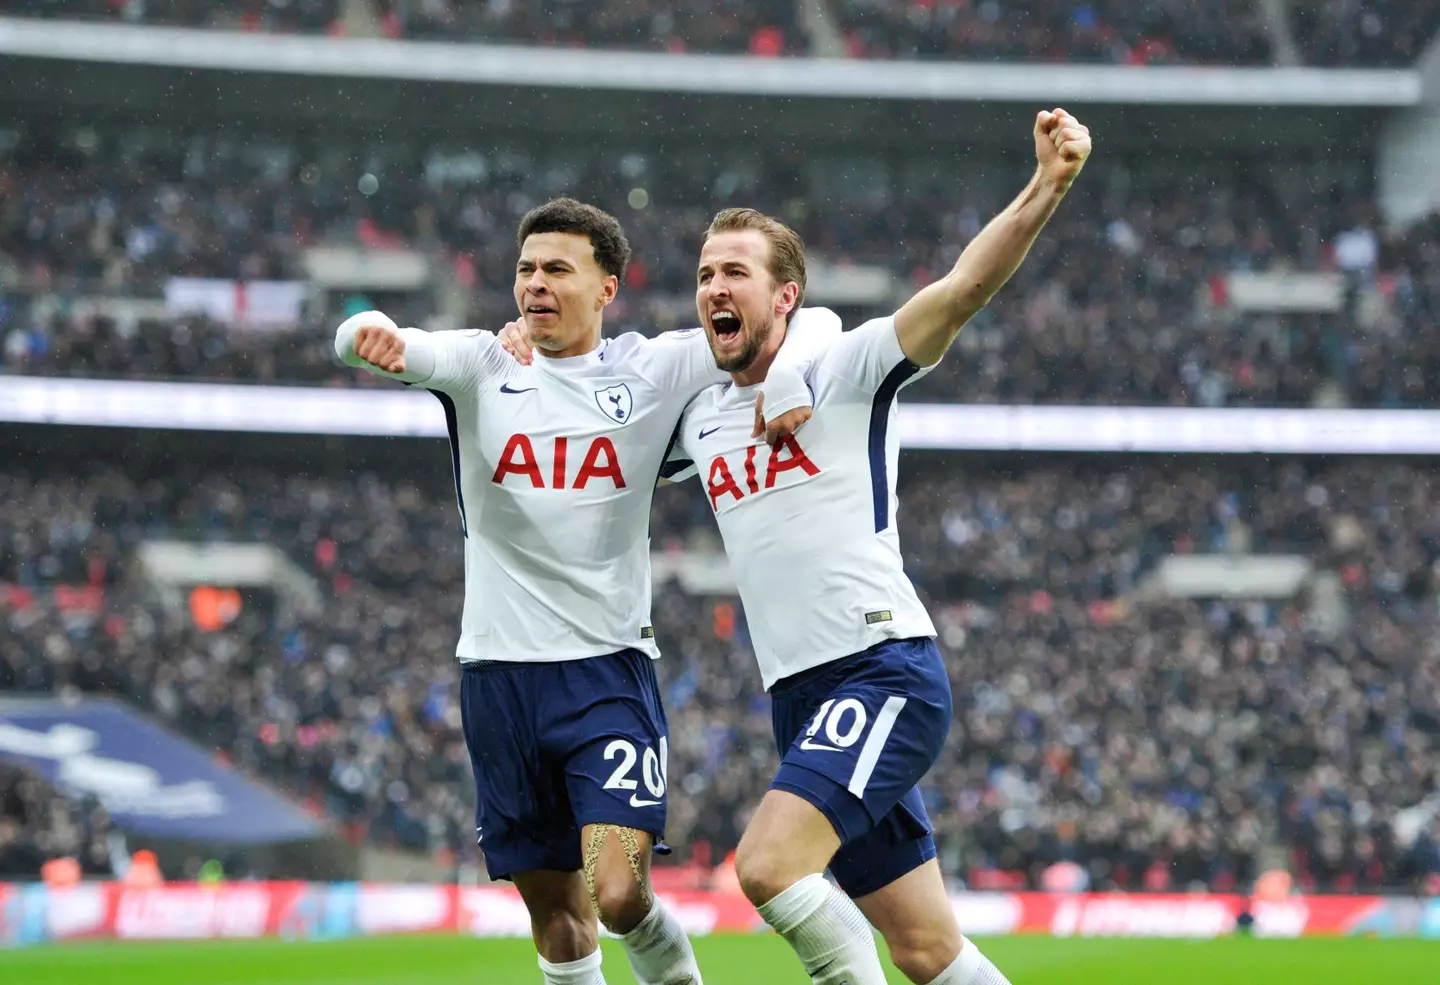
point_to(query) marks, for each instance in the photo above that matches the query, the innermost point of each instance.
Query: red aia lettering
(721, 483)
(750, 470)
(785, 456)
(797, 460)
(518, 458)
(592, 469)
(601, 462)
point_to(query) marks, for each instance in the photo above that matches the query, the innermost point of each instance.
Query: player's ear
(608, 289)
(788, 297)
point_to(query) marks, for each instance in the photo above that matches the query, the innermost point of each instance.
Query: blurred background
(1172, 499)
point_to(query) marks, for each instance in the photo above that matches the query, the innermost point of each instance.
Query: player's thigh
(914, 915)
(787, 839)
(523, 816)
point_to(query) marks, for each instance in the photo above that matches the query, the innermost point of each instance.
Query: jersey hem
(554, 656)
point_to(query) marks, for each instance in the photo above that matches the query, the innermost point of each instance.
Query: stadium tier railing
(35, 913)
(937, 427)
(509, 65)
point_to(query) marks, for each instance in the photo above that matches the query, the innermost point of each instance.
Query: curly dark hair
(566, 215)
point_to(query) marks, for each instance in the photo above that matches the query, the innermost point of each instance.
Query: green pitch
(725, 960)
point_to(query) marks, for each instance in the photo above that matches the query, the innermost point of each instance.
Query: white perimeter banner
(952, 427)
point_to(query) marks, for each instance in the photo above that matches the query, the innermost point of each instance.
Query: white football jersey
(810, 525)
(555, 465)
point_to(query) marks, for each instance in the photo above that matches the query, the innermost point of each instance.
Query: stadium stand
(290, 16)
(1369, 33)
(1159, 739)
(1224, 32)
(1126, 300)
(38, 823)
(1159, 742)
(1327, 33)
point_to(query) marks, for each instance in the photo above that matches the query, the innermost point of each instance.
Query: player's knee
(621, 903)
(922, 953)
(562, 936)
(764, 873)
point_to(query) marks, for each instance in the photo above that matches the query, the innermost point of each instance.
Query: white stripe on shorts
(875, 744)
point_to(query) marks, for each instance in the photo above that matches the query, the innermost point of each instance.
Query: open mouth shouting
(726, 326)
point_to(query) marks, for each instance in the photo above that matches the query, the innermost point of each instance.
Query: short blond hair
(787, 250)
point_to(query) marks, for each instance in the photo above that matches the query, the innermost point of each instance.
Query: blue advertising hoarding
(151, 781)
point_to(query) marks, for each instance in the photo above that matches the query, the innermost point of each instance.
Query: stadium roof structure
(831, 78)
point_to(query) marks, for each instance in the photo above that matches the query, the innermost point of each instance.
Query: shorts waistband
(806, 676)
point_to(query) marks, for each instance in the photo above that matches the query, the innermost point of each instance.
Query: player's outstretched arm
(373, 342)
(929, 322)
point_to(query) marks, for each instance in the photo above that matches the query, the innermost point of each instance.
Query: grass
(724, 959)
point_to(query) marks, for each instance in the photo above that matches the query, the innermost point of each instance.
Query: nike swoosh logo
(505, 388)
(637, 802)
(816, 746)
(706, 434)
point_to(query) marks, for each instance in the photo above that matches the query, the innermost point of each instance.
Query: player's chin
(546, 322)
(732, 360)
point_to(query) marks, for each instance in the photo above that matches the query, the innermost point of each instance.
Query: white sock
(828, 932)
(971, 968)
(659, 951)
(586, 971)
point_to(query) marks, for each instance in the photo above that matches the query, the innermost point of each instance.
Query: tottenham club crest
(615, 403)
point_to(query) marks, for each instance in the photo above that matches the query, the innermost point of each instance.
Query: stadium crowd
(1157, 742)
(38, 823)
(290, 16)
(1122, 301)
(1360, 33)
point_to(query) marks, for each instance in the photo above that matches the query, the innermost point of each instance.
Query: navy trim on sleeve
(452, 426)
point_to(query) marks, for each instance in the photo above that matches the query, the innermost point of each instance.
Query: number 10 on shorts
(653, 770)
(842, 721)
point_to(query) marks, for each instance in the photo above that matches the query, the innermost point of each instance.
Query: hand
(514, 341)
(783, 426)
(1062, 145)
(379, 342)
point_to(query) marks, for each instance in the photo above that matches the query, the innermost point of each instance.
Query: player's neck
(760, 368)
(586, 344)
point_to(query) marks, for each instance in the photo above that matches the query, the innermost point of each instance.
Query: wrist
(1052, 185)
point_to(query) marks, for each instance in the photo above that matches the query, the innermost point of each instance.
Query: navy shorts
(855, 736)
(556, 746)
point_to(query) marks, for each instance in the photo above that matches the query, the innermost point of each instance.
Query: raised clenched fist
(1062, 144)
(378, 341)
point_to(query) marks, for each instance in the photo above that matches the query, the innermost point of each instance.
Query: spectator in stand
(1215, 32)
(38, 823)
(1363, 33)
(290, 16)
